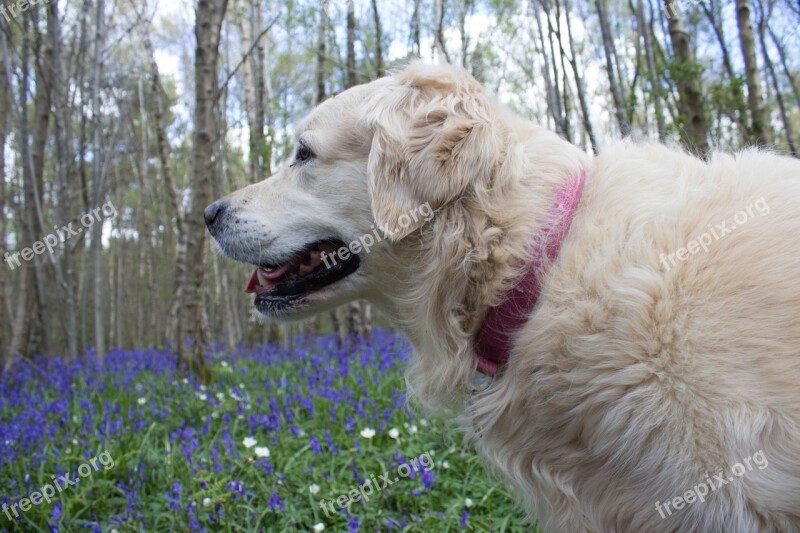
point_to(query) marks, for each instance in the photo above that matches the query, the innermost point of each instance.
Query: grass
(181, 460)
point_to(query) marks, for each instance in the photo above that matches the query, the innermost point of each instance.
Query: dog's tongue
(263, 280)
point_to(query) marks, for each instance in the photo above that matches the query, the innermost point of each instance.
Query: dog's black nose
(213, 213)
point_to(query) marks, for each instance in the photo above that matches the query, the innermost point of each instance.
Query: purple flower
(428, 479)
(276, 503)
(353, 524)
(315, 447)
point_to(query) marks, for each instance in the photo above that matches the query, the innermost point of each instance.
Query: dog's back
(666, 349)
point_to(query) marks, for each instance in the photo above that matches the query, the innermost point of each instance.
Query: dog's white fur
(632, 381)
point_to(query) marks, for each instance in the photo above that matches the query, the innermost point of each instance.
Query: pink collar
(496, 337)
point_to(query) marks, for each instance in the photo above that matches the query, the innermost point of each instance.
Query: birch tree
(685, 71)
(98, 287)
(759, 129)
(209, 15)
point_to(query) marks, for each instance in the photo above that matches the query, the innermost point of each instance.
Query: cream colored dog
(663, 354)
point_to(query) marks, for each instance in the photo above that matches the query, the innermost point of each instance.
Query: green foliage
(181, 463)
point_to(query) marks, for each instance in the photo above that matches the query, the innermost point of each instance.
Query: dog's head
(371, 167)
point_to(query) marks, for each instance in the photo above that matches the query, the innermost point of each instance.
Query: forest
(110, 104)
(121, 120)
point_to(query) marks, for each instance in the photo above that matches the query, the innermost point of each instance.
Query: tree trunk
(352, 76)
(379, 71)
(321, 51)
(262, 153)
(759, 129)
(43, 340)
(462, 28)
(553, 100)
(5, 331)
(576, 71)
(686, 73)
(250, 99)
(416, 42)
(23, 308)
(609, 49)
(786, 70)
(785, 117)
(173, 195)
(739, 114)
(439, 45)
(98, 286)
(63, 269)
(560, 96)
(209, 15)
(655, 80)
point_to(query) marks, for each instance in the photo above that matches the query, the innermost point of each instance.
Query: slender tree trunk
(98, 288)
(63, 269)
(250, 98)
(559, 95)
(416, 41)
(27, 289)
(555, 30)
(439, 44)
(462, 28)
(609, 49)
(655, 79)
(579, 83)
(41, 127)
(785, 117)
(553, 102)
(143, 240)
(209, 15)
(739, 114)
(786, 70)
(321, 51)
(5, 331)
(352, 76)
(262, 153)
(173, 195)
(759, 128)
(379, 70)
(686, 73)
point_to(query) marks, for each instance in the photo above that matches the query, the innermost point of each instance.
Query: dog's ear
(433, 138)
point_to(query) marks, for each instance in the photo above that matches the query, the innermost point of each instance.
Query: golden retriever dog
(637, 313)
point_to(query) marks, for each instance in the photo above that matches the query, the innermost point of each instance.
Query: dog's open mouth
(316, 266)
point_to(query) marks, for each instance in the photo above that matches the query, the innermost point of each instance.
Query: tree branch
(244, 58)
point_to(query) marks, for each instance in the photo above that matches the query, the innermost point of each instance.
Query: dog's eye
(304, 153)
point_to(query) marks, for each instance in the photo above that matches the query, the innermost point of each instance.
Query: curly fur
(631, 382)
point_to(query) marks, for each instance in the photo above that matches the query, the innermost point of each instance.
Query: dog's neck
(438, 285)
(495, 338)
